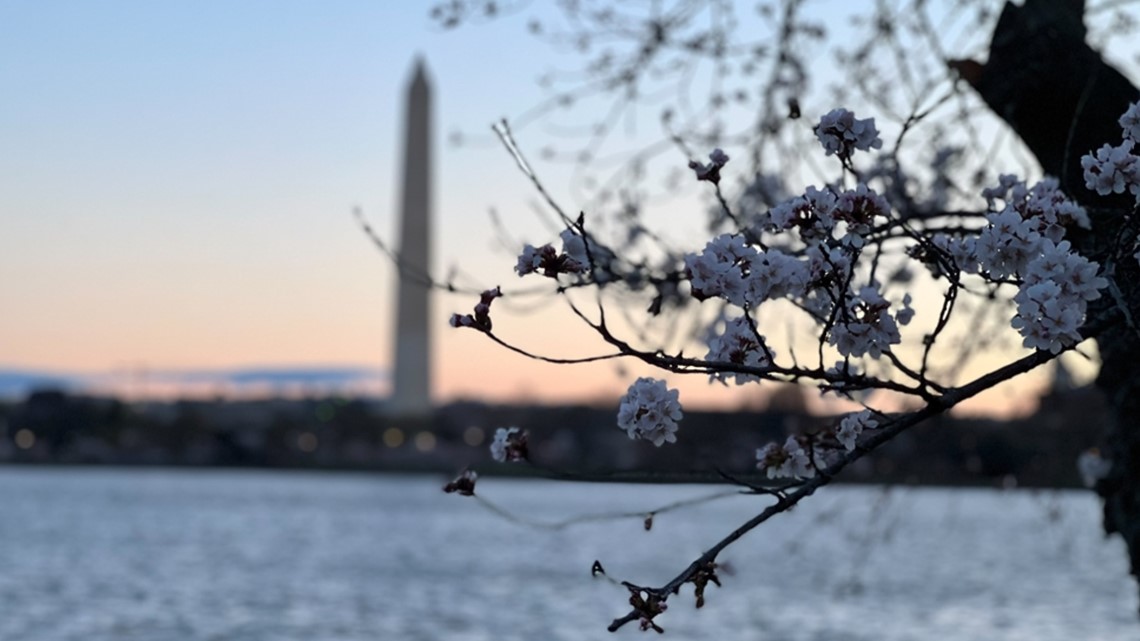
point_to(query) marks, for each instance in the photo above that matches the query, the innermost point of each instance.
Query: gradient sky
(176, 182)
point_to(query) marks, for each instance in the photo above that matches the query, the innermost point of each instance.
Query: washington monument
(411, 390)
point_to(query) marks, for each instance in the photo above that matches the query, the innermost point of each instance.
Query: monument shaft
(411, 393)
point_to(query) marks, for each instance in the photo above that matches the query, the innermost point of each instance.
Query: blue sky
(178, 178)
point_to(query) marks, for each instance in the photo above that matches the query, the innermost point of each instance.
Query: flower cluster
(710, 172)
(509, 445)
(830, 270)
(841, 133)
(1005, 247)
(1024, 241)
(1054, 296)
(481, 320)
(1013, 237)
(1114, 170)
(812, 214)
(790, 460)
(650, 411)
(866, 325)
(857, 209)
(822, 214)
(798, 457)
(1044, 204)
(739, 345)
(834, 227)
(743, 275)
(550, 263)
(852, 425)
(1130, 122)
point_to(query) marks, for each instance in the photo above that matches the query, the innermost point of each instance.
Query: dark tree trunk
(1064, 100)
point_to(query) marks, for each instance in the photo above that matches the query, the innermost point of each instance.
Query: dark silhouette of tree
(1063, 99)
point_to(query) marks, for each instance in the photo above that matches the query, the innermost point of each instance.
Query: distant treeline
(52, 426)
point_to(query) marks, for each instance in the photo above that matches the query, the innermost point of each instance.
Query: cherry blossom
(1053, 299)
(812, 214)
(852, 425)
(1005, 247)
(841, 133)
(650, 411)
(716, 270)
(574, 248)
(773, 274)
(1044, 204)
(738, 345)
(789, 460)
(481, 320)
(858, 208)
(1045, 318)
(825, 264)
(711, 171)
(867, 326)
(1112, 170)
(549, 262)
(509, 445)
(1130, 122)
(731, 269)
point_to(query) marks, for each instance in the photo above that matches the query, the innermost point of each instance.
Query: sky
(177, 181)
(178, 178)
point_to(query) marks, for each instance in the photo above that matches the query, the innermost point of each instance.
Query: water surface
(157, 555)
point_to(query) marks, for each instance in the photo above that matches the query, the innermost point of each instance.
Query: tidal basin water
(155, 555)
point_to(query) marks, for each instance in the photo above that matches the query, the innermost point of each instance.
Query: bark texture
(1063, 100)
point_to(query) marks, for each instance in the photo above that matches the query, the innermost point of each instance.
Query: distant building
(411, 390)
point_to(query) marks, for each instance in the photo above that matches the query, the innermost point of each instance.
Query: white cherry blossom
(650, 411)
(509, 444)
(790, 460)
(739, 345)
(1004, 248)
(867, 327)
(574, 247)
(1130, 122)
(1112, 170)
(852, 425)
(841, 133)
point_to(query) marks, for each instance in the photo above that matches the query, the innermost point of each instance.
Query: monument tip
(419, 70)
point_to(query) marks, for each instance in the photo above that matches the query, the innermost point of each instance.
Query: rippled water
(98, 554)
